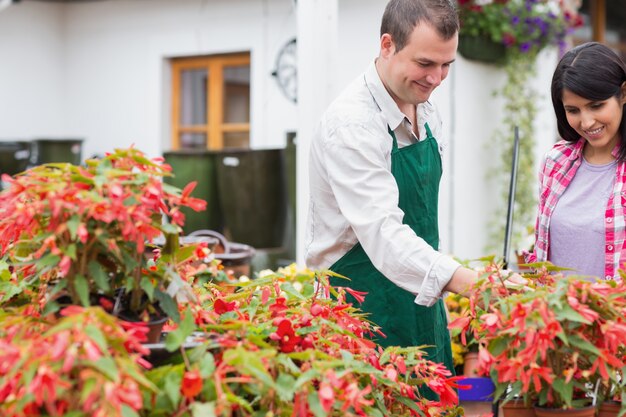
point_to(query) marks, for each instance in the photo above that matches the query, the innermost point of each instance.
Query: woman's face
(596, 121)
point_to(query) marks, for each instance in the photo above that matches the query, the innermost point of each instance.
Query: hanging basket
(482, 49)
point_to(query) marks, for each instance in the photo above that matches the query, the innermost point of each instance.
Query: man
(375, 168)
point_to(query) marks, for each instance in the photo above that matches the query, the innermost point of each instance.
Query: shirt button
(608, 277)
(609, 247)
(609, 220)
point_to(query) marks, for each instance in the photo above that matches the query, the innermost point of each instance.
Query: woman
(580, 223)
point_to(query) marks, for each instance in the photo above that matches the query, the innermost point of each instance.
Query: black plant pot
(482, 49)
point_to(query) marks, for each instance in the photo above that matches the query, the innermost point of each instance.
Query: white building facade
(100, 70)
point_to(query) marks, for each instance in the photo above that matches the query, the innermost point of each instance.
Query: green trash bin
(14, 157)
(253, 196)
(197, 165)
(46, 151)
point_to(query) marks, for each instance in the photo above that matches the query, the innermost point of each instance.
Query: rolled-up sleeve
(367, 194)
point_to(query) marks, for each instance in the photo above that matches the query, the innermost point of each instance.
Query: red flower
(358, 295)
(278, 307)
(220, 306)
(286, 336)
(192, 384)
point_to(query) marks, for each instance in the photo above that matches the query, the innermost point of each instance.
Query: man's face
(411, 74)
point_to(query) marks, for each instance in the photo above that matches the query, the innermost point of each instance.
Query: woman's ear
(623, 93)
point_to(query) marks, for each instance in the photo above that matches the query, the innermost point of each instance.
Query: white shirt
(354, 196)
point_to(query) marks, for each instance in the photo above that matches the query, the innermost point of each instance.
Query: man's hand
(464, 278)
(462, 281)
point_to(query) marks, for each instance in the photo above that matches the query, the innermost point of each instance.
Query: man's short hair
(401, 17)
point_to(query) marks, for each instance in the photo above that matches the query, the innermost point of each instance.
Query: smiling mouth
(594, 132)
(422, 86)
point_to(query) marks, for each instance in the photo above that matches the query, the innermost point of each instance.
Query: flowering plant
(524, 26)
(85, 363)
(85, 230)
(552, 344)
(282, 346)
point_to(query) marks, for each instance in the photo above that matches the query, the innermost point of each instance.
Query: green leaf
(139, 377)
(250, 363)
(186, 327)
(51, 307)
(82, 289)
(568, 313)
(315, 405)
(582, 344)
(373, 412)
(99, 275)
(96, 335)
(305, 378)
(72, 225)
(128, 412)
(409, 403)
(10, 290)
(564, 390)
(107, 367)
(203, 409)
(497, 346)
(172, 387)
(285, 384)
(308, 290)
(48, 260)
(148, 287)
(71, 251)
(207, 365)
(168, 305)
(289, 289)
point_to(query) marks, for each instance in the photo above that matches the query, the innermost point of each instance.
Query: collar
(383, 99)
(578, 149)
(388, 107)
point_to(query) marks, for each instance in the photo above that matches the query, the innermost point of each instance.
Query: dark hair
(401, 17)
(592, 71)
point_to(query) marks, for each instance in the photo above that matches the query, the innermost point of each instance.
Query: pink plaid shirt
(558, 170)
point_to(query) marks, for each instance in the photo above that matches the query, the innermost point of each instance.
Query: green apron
(417, 170)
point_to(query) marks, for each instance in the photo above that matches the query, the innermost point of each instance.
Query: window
(604, 22)
(211, 102)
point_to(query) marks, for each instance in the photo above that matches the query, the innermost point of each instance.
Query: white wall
(32, 80)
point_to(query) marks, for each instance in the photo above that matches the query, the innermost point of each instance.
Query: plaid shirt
(558, 170)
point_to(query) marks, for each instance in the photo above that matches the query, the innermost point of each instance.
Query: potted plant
(86, 232)
(83, 363)
(550, 345)
(510, 27)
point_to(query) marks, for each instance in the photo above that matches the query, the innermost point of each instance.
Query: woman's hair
(592, 71)
(401, 17)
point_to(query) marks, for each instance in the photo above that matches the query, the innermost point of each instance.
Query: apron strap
(395, 141)
(429, 134)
